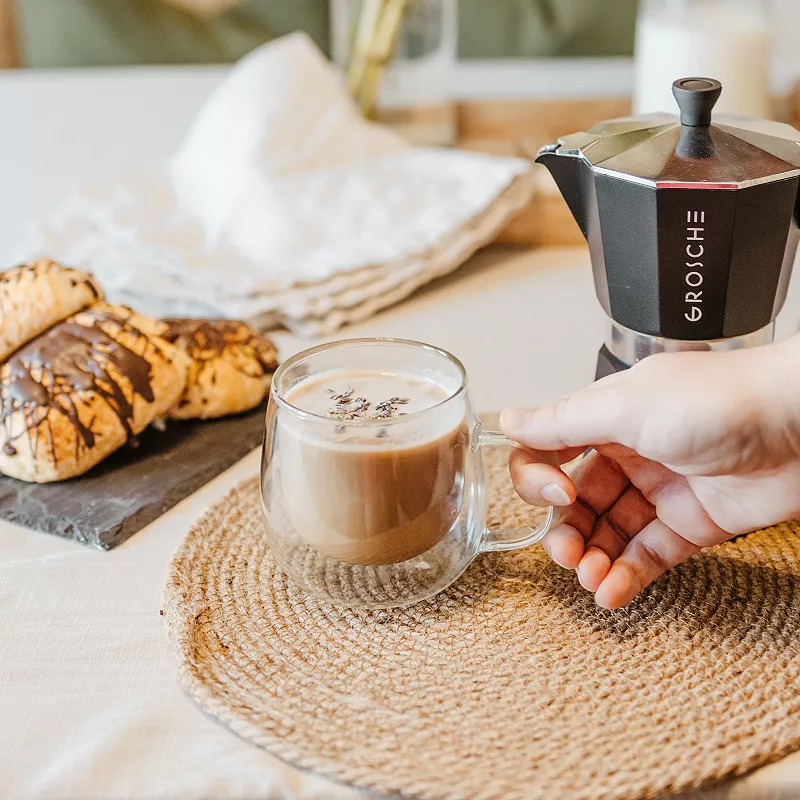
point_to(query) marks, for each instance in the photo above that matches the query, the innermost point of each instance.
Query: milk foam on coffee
(362, 491)
(337, 391)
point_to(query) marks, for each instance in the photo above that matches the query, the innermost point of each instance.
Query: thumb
(599, 414)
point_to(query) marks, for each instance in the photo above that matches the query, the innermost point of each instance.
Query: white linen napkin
(284, 206)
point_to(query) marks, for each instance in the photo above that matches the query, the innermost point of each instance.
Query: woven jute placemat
(512, 683)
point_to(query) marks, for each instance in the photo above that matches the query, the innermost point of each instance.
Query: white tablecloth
(89, 703)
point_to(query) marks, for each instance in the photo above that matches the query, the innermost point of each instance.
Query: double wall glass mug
(372, 479)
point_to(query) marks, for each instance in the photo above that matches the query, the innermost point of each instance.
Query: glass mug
(378, 513)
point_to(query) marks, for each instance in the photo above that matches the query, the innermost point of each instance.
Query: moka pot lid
(690, 150)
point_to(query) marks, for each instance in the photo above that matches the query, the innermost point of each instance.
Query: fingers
(597, 480)
(600, 482)
(539, 484)
(552, 456)
(675, 501)
(608, 529)
(565, 545)
(652, 552)
(614, 529)
(598, 414)
(592, 569)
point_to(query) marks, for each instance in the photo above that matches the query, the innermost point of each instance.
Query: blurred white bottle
(728, 40)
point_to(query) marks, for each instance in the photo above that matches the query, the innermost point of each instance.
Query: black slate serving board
(134, 486)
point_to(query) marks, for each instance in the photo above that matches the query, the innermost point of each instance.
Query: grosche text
(695, 250)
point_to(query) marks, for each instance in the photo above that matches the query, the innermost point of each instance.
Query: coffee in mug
(361, 496)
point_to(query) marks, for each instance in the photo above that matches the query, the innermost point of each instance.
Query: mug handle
(499, 541)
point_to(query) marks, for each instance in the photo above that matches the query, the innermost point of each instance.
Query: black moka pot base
(608, 364)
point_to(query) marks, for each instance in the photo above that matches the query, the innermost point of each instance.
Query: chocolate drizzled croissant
(230, 369)
(81, 390)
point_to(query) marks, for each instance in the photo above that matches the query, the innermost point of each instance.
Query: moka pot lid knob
(696, 98)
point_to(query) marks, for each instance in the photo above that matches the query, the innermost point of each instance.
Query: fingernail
(580, 580)
(512, 419)
(555, 495)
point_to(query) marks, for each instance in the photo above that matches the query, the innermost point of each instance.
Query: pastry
(81, 390)
(230, 366)
(37, 295)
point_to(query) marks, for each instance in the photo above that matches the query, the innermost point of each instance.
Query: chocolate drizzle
(207, 339)
(65, 364)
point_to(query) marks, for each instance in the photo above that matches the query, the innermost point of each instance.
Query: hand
(690, 450)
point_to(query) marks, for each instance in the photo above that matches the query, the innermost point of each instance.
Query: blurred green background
(56, 33)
